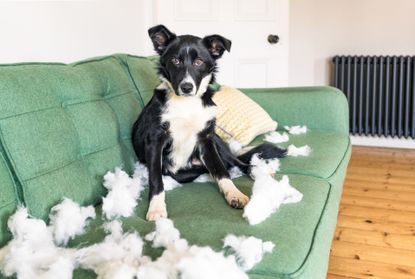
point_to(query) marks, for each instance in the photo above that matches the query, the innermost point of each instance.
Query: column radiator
(381, 93)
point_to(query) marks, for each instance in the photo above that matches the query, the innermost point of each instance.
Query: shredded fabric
(68, 219)
(118, 256)
(248, 250)
(296, 130)
(298, 151)
(141, 173)
(122, 196)
(276, 137)
(32, 252)
(267, 193)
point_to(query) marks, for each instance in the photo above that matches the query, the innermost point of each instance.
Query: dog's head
(187, 62)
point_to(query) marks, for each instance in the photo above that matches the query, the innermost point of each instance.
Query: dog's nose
(186, 87)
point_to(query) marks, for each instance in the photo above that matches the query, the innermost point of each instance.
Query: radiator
(381, 93)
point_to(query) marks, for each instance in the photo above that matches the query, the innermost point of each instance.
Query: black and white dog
(174, 134)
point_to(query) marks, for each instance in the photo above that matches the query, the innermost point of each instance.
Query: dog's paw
(157, 208)
(153, 215)
(236, 199)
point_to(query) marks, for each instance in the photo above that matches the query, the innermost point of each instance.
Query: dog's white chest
(187, 117)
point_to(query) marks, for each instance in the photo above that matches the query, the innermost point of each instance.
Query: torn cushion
(239, 117)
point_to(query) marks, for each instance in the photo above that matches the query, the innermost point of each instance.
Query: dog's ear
(161, 37)
(216, 45)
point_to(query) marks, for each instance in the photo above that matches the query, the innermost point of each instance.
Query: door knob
(273, 39)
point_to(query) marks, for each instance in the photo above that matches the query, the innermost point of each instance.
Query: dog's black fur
(183, 59)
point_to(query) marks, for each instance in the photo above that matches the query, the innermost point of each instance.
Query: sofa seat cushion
(204, 218)
(327, 151)
(63, 127)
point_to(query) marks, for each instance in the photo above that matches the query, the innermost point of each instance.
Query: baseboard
(383, 142)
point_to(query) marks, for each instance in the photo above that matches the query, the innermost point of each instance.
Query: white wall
(68, 31)
(320, 29)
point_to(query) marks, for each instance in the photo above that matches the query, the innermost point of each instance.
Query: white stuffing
(204, 178)
(248, 250)
(179, 260)
(234, 172)
(296, 130)
(32, 253)
(298, 151)
(235, 146)
(204, 263)
(141, 173)
(123, 194)
(68, 219)
(267, 193)
(118, 256)
(276, 137)
(164, 235)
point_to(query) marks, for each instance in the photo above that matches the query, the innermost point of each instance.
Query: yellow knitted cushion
(240, 117)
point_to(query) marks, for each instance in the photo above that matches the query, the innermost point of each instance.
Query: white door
(253, 61)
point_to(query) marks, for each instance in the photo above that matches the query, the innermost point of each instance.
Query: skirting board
(383, 142)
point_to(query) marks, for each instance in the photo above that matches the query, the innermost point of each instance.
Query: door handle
(273, 39)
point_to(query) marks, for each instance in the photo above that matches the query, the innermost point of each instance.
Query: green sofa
(63, 126)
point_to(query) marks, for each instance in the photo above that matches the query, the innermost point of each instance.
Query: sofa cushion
(204, 218)
(8, 198)
(63, 126)
(143, 71)
(327, 151)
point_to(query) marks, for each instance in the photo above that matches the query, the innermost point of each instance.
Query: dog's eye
(175, 61)
(198, 62)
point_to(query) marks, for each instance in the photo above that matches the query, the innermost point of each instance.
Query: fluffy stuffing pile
(37, 249)
(248, 250)
(33, 254)
(268, 193)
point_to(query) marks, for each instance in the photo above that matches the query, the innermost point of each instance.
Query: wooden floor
(375, 234)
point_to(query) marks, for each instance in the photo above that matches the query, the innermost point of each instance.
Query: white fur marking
(204, 85)
(187, 117)
(188, 78)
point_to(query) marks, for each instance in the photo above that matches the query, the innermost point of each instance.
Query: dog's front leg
(217, 169)
(157, 206)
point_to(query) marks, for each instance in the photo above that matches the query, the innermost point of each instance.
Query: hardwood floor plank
(375, 234)
(374, 225)
(366, 269)
(375, 238)
(386, 255)
(358, 201)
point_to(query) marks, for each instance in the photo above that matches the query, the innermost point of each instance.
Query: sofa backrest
(62, 127)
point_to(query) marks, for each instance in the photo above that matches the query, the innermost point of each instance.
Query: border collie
(175, 133)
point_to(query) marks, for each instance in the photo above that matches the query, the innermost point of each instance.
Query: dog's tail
(243, 160)
(265, 151)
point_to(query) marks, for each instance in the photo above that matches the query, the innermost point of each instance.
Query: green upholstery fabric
(144, 74)
(63, 126)
(320, 108)
(8, 199)
(296, 223)
(327, 151)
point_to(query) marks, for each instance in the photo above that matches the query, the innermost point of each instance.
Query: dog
(175, 133)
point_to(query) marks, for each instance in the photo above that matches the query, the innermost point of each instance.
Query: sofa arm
(320, 108)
